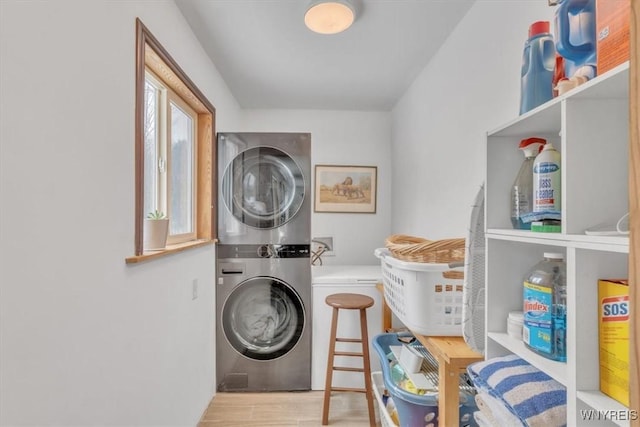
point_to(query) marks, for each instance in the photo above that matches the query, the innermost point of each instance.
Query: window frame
(181, 104)
(149, 52)
(167, 98)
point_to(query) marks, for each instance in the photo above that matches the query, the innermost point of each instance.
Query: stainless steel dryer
(263, 327)
(265, 193)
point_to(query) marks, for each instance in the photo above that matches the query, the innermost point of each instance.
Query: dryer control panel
(266, 250)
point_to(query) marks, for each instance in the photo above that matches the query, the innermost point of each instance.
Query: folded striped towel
(534, 397)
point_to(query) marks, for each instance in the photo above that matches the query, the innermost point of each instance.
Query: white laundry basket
(378, 392)
(419, 295)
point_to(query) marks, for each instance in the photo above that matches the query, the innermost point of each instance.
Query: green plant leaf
(156, 215)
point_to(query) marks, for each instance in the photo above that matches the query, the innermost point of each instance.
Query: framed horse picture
(345, 189)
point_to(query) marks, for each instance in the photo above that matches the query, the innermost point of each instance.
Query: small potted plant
(156, 229)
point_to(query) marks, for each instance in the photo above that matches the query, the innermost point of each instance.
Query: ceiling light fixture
(330, 16)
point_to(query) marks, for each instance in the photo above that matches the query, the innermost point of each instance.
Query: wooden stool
(349, 302)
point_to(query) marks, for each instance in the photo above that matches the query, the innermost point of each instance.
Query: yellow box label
(613, 328)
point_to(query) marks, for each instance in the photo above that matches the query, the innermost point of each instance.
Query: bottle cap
(578, 80)
(528, 141)
(565, 85)
(539, 27)
(516, 316)
(531, 146)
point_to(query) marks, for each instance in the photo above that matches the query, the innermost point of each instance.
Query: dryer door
(263, 187)
(263, 318)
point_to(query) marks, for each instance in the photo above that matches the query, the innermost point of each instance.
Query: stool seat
(349, 301)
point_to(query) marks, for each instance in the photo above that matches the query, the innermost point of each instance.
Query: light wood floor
(285, 409)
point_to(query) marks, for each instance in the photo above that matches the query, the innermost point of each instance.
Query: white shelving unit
(589, 126)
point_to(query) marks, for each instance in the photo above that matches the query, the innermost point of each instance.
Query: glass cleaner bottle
(545, 308)
(522, 189)
(547, 183)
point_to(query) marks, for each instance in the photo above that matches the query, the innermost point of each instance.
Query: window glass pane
(182, 143)
(150, 148)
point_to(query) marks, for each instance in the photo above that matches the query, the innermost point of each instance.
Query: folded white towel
(497, 413)
(481, 420)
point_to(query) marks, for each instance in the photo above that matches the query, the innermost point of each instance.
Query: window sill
(170, 249)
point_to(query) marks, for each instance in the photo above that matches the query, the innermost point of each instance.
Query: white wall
(471, 86)
(84, 338)
(342, 138)
(87, 340)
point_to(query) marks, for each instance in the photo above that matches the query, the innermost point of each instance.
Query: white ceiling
(270, 59)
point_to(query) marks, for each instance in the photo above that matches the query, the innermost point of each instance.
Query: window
(175, 163)
(170, 158)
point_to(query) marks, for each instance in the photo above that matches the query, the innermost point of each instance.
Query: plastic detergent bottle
(538, 64)
(546, 184)
(522, 189)
(575, 35)
(545, 308)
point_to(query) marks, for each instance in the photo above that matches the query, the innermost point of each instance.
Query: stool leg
(367, 366)
(330, 358)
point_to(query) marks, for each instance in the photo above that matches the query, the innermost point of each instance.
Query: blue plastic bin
(418, 410)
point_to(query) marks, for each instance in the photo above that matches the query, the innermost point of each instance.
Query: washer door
(263, 318)
(263, 187)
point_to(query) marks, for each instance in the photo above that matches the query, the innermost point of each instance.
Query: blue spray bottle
(575, 36)
(538, 65)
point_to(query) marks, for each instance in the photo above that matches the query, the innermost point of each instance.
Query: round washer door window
(263, 318)
(263, 187)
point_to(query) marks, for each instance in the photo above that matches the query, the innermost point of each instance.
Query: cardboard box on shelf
(612, 31)
(613, 327)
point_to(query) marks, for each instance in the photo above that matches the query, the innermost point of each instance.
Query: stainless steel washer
(263, 328)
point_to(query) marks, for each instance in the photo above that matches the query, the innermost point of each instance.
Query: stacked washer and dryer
(263, 291)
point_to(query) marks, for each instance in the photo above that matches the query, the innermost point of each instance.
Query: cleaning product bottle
(545, 308)
(575, 36)
(522, 189)
(546, 185)
(558, 73)
(538, 65)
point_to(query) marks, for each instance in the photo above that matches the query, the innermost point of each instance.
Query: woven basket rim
(418, 249)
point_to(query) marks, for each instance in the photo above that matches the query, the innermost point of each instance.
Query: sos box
(613, 328)
(612, 32)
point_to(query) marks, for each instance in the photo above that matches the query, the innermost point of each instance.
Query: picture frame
(345, 188)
